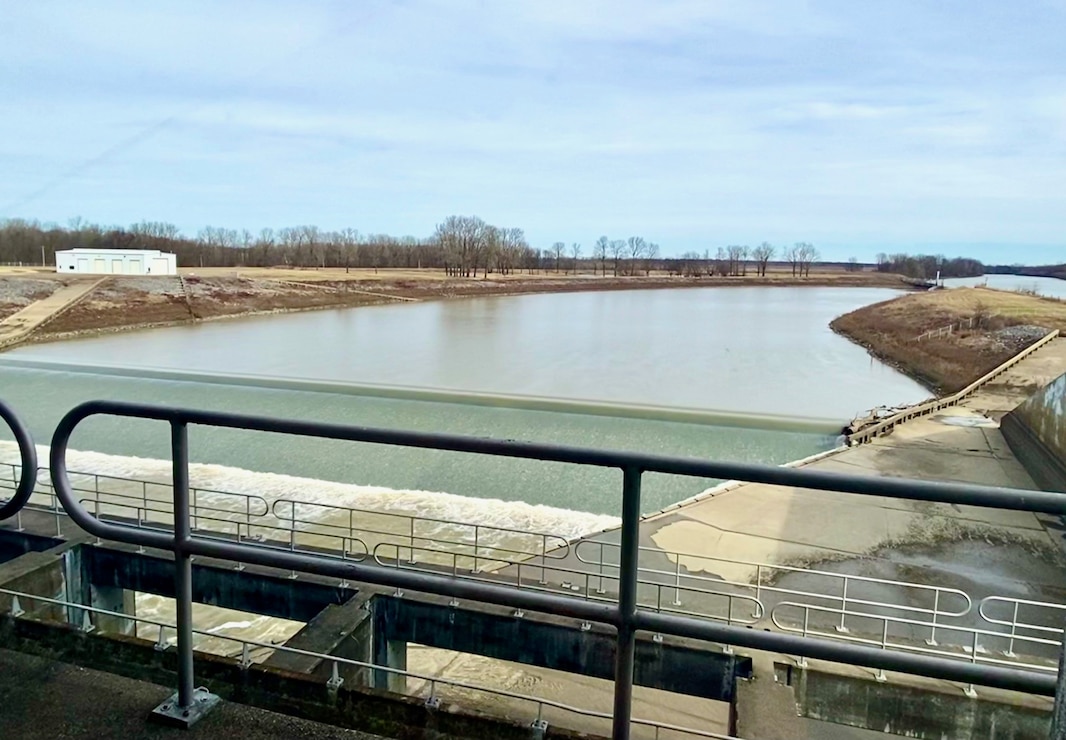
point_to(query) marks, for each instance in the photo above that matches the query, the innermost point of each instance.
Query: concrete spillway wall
(1036, 432)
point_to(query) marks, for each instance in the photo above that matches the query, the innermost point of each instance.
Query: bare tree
(618, 249)
(635, 246)
(762, 255)
(557, 254)
(599, 252)
(651, 253)
(462, 240)
(808, 255)
(575, 255)
(792, 255)
(735, 253)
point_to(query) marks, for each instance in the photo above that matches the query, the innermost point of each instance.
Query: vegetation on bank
(985, 332)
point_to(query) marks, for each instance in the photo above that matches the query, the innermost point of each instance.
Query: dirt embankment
(18, 292)
(141, 302)
(988, 327)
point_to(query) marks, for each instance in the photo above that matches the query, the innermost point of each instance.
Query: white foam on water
(491, 512)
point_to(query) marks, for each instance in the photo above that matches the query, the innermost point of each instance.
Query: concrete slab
(21, 324)
(43, 699)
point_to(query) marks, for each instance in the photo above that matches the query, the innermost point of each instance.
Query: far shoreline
(123, 304)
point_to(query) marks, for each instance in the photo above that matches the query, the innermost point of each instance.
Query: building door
(135, 266)
(116, 267)
(83, 264)
(100, 265)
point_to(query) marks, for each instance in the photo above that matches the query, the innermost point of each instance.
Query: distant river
(1050, 287)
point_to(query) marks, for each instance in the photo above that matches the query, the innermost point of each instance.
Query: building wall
(110, 262)
(1036, 432)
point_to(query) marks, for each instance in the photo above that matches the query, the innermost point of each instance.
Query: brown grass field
(948, 363)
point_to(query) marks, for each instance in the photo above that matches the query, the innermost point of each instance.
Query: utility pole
(43, 263)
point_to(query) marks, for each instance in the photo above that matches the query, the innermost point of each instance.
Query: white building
(116, 262)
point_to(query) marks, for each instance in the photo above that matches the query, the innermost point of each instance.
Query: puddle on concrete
(976, 567)
(965, 421)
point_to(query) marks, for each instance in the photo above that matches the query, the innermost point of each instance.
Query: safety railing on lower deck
(717, 604)
(21, 599)
(300, 526)
(1042, 634)
(847, 592)
(481, 544)
(625, 615)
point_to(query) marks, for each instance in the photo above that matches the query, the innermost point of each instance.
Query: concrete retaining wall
(1036, 433)
(914, 712)
(378, 712)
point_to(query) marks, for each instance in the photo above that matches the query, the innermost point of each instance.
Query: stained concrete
(43, 699)
(18, 326)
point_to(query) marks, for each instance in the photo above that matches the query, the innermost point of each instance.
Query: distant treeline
(1051, 271)
(461, 245)
(926, 266)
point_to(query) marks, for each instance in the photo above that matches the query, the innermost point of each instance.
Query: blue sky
(859, 126)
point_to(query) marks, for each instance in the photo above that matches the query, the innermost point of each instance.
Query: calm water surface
(1050, 287)
(755, 350)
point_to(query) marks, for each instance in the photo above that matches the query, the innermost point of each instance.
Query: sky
(862, 127)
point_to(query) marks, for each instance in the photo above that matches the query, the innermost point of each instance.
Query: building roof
(90, 250)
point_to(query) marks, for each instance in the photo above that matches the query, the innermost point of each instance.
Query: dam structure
(763, 649)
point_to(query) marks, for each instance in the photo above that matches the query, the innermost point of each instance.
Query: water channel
(666, 371)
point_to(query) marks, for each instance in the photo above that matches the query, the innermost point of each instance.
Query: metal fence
(624, 614)
(925, 617)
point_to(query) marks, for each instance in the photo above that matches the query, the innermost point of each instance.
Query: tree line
(736, 260)
(925, 266)
(461, 246)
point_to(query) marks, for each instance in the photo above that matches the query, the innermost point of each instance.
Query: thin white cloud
(697, 123)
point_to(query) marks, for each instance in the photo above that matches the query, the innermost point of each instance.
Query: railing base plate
(170, 713)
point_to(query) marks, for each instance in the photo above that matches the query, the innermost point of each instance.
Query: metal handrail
(336, 660)
(1015, 625)
(755, 612)
(973, 650)
(625, 616)
(355, 548)
(761, 569)
(27, 459)
(552, 546)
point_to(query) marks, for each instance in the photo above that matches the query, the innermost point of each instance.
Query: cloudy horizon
(860, 127)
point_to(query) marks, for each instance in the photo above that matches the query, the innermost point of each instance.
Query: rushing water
(1050, 287)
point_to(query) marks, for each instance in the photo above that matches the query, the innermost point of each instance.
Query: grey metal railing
(467, 549)
(20, 599)
(624, 615)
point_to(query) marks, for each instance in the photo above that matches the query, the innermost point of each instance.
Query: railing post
(1058, 714)
(599, 588)
(677, 582)
(1013, 630)
(936, 611)
(543, 559)
(842, 627)
(477, 532)
(628, 561)
(188, 705)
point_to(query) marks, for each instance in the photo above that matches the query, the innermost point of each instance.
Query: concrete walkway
(775, 524)
(42, 699)
(20, 325)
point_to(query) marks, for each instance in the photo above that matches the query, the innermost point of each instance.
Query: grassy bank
(949, 362)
